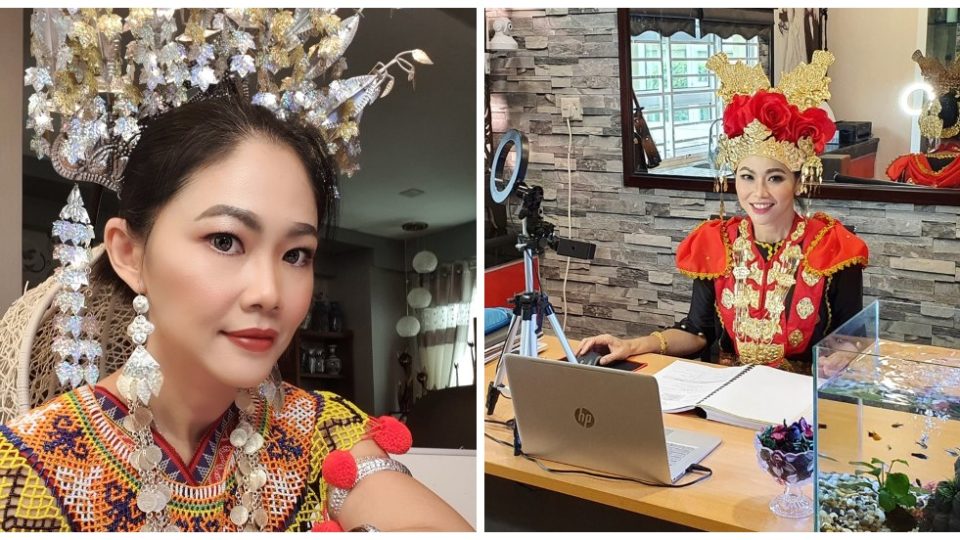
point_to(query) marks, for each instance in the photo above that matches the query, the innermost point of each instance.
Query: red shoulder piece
(705, 252)
(916, 169)
(897, 166)
(832, 247)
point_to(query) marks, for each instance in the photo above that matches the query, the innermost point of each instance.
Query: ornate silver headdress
(99, 74)
(77, 330)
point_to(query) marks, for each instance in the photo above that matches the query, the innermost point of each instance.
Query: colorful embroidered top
(769, 303)
(64, 467)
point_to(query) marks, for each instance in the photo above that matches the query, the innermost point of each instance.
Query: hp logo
(583, 417)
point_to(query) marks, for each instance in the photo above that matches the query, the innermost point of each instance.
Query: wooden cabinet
(294, 370)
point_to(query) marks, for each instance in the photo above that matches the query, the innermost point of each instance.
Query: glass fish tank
(888, 420)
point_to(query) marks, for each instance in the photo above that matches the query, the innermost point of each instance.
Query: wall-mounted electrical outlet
(570, 108)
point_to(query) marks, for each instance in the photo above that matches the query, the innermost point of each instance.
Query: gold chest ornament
(754, 336)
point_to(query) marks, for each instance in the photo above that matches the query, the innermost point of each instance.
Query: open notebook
(746, 396)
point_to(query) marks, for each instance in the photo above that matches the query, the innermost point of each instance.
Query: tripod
(526, 306)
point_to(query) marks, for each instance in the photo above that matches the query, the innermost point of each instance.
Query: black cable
(696, 467)
(498, 441)
(509, 423)
(693, 468)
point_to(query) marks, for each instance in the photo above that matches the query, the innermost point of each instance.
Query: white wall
(451, 474)
(11, 154)
(873, 49)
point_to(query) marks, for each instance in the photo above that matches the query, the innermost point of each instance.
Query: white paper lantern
(424, 262)
(408, 326)
(419, 298)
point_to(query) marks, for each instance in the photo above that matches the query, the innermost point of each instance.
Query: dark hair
(175, 144)
(948, 109)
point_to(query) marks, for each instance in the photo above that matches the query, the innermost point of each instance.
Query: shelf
(313, 334)
(320, 376)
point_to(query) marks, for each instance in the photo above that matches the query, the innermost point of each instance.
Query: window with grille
(677, 91)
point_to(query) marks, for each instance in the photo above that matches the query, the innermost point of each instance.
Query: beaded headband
(99, 75)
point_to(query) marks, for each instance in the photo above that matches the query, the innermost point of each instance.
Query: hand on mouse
(619, 349)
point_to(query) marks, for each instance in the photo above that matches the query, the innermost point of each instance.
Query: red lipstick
(253, 339)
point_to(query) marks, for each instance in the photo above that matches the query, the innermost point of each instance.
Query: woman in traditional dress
(221, 207)
(940, 124)
(768, 284)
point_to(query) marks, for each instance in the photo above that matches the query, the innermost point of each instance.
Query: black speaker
(852, 131)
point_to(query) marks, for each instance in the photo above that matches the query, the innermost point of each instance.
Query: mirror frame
(640, 178)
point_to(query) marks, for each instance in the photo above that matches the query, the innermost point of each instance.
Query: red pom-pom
(391, 435)
(340, 469)
(327, 526)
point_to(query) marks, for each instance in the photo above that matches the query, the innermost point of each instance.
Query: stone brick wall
(632, 286)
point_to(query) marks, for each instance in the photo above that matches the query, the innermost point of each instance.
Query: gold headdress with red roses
(782, 123)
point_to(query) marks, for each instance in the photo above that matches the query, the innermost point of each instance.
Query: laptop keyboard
(676, 452)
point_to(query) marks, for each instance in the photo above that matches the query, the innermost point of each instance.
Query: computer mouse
(589, 358)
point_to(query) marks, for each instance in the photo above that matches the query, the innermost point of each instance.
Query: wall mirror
(876, 97)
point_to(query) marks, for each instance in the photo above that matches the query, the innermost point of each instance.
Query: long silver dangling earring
(141, 379)
(76, 331)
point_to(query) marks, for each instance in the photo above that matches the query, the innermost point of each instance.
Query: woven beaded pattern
(63, 466)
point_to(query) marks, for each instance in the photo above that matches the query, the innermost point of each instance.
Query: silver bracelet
(365, 467)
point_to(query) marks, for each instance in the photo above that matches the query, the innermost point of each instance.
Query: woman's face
(228, 264)
(766, 190)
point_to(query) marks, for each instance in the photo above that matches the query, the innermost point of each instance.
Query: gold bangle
(663, 341)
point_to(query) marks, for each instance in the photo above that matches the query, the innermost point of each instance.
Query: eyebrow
(773, 170)
(251, 220)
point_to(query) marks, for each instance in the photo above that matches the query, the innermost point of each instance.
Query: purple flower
(795, 437)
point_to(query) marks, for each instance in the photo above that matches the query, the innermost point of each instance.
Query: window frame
(633, 176)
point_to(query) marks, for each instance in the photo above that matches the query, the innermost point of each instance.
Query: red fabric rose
(774, 112)
(737, 115)
(815, 124)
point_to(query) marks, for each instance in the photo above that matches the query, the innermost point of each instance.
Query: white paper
(762, 397)
(685, 384)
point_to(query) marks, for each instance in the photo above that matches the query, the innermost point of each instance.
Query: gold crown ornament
(99, 74)
(945, 80)
(783, 123)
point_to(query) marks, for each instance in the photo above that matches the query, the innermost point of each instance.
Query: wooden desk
(736, 498)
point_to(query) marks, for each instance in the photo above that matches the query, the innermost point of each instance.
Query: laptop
(598, 418)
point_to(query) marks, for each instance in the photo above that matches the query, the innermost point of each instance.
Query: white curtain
(442, 341)
(800, 31)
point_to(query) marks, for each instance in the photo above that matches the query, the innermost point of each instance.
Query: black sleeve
(701, 319)
(845, 296)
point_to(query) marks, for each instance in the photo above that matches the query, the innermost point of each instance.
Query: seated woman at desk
(940, 121)
(769, 284)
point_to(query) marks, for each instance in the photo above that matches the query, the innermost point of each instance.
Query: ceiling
(420, 138)
(416, 138)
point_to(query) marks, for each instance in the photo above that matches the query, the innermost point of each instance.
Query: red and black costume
(940, 168)
(827, 289)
